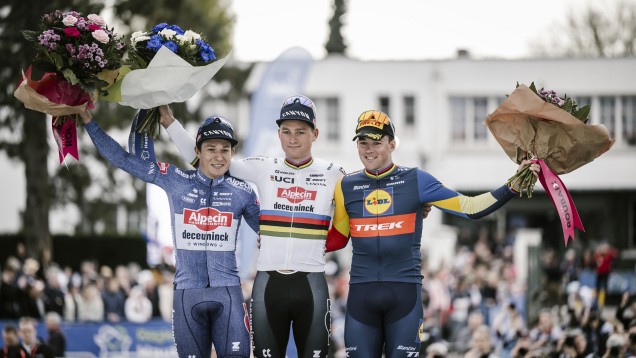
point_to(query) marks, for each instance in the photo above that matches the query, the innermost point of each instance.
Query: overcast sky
(397, 29)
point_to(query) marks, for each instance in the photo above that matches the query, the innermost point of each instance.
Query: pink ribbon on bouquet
(561, 199)
(65, 135)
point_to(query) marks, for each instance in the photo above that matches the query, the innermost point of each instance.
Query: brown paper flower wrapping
(527, 126)
(58, 92)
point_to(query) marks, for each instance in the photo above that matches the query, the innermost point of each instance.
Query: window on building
(458, 113)
(409, 110)
(385, 105)
(332, 119)
(628, 119)
(479, 115)
(328, 109)
(467, 117)
(608, 112)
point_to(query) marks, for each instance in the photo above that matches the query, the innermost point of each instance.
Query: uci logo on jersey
(282, 179)
(378, 202)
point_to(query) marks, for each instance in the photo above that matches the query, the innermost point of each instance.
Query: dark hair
(615, 351)
(10, 329)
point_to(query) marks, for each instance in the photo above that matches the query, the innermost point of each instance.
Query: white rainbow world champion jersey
(296, 210)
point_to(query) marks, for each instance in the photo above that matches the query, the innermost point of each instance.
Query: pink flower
(94, 27)
(100, 35)
(69, 20)
(96, 19)
(71, 32)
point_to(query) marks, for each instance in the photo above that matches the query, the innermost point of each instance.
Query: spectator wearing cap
(207, 207)
(380, 208)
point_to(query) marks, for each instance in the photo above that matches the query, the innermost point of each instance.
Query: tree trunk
(36, 215)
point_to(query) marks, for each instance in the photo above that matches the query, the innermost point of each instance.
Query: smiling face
(296, 139)
(375, 154)
(214, 156)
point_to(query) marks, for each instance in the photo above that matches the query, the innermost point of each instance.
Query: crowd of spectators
(475, 306)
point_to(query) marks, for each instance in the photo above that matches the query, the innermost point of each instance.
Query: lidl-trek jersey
(383, 216)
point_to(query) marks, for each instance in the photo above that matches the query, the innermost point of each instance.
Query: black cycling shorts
(299, 300)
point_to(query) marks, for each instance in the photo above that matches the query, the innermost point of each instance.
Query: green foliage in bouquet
(566, 103)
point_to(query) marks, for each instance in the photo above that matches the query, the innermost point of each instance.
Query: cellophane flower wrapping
(167, 65)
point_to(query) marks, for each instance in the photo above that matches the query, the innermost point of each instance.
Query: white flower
(167, 33)
(96, 19)
(191, 35)
(100, 35)
(134, 40)
(69, 20)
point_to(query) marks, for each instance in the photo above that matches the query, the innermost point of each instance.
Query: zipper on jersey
(377, 222)
(290, 248)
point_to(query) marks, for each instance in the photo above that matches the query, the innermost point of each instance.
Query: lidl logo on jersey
(207, 219)
(296, 194)
(378, 202)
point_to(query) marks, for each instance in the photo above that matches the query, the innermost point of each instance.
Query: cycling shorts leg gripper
(380, 313)
(280, 299)
(205, 315)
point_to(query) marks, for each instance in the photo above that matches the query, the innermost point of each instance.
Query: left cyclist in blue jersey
(207, 207)
(380, 209)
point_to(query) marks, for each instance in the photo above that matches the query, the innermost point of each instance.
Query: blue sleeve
(251, 211)
(432, 191)
(108, 148)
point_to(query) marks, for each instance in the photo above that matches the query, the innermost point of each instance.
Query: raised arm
(115, 154)
(179, 136)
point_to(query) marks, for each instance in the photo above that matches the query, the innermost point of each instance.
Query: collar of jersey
(300, 165)
(207, 181)
(380, 173)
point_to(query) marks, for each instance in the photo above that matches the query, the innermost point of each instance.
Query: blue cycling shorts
(214, 315)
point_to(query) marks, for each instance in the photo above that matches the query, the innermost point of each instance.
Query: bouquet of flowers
(168, 65)
(525, 179)
(80, 57)
(553, 132)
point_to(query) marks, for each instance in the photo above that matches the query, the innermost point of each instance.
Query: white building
(438, 108)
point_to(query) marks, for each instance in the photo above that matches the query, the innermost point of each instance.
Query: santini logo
(207, 219)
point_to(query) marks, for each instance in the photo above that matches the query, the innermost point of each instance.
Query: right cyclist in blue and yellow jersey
(380, 209)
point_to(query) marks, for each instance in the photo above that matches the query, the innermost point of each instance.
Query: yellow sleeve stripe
(467, 204)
